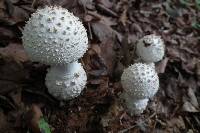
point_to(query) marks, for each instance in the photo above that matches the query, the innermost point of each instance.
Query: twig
(126, 51)
(106, 10)
(3, 98)
(131, 127)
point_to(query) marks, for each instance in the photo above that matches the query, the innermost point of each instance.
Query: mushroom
(66, 82)
(140, 81)
(150, 48)
(56, 37)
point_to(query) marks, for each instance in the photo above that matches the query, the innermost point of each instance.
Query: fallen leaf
(15, 51)
(87, 3)
(160, 68)
(19, 14)
(193, 98)
(3, 122)
(106, 3)
(32, 118)
(108, 54)
(12, 75)
(102, 31)
(188, 107)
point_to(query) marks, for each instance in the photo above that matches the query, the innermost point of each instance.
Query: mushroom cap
(54, 36)
(150, 48)
(66, 82)
(140, 81)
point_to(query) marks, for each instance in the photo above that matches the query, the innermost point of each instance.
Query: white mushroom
(66, 82)
(54, 36)
(150, 48)
(140, 80)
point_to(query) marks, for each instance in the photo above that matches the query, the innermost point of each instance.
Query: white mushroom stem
(66, 82)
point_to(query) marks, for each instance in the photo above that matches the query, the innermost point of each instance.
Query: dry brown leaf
(160, 68)
(102, 31)
(188, 107)
(15, 51)
(32, 118)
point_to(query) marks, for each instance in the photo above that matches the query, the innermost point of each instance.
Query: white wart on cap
(150, 48)
(140, 81)
(54, 36)
(66, 82)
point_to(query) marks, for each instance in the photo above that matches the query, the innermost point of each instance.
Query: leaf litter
(114, 28)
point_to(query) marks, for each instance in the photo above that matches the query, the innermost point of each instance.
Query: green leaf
(197, 3)
(44, 126)
(196, 26)
(184, 2)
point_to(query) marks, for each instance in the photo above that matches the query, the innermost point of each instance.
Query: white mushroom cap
(140, 81)
(150, 48)
(66, 82)
(54, 36)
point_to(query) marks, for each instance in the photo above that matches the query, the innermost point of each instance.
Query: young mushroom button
(140, 82)
(150, 48)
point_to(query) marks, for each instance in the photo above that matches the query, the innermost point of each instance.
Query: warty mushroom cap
(54, 36)
(150, 48)
(140, 81)
(66, 82)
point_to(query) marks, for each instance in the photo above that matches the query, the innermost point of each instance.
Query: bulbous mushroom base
(134, 106)
(137, 107)
(66, 82)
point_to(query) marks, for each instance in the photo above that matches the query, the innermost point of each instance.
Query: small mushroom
(150, 48)
(140, 81)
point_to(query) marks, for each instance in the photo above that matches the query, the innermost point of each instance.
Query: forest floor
(113, 29)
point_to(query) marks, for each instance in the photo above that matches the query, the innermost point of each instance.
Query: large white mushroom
(56, 37)
(140, 82)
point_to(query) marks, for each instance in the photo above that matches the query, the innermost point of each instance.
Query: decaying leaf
(15, 51)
